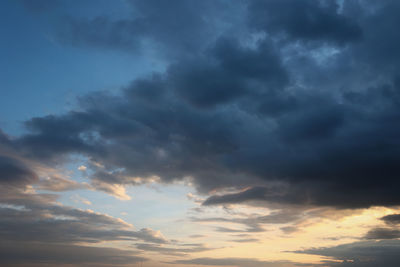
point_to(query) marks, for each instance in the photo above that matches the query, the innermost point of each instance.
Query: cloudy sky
(248, 133)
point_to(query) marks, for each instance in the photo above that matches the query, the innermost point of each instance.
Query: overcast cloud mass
(281, 117)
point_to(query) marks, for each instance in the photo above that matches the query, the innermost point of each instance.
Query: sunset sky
(190, 133)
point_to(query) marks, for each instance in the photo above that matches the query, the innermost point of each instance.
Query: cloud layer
(295, 111)
(284, 104)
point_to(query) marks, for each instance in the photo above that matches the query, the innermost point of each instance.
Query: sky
(248, 133)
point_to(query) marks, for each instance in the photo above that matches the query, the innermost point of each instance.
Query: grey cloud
(13, 172)
(383, 233)
(304, 20)
(44, 224)
(249, 114)
(245, 240)
(226, 229)
(289, 229)
(380, 40)
(174, 29)
(35, 229)
(255, 223)
(237, 262)
(361, 254)
(197, 236)
(285, 103)
(33, 254)
(232, 72)
(58, 184)
(150, 235)
(168, 140)
(35, 232)
(255, 193)
(180, 250)
(391, 219)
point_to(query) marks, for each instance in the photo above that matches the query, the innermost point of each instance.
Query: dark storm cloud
(383, 233)
(390, 232)
(361, 254)
(391, 219)
(302, 109)
(379, 49)
(15, 173)
(4, 138)
(165, 128)
(205, 83)
(285, 103)
(304, 20)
